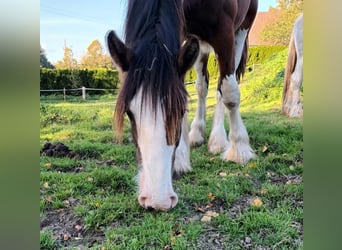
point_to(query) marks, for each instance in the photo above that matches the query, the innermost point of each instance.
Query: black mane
(153, 33)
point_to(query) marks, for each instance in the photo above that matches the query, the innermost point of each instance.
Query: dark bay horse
(163, 39)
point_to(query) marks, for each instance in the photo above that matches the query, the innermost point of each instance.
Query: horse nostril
(142, 201)
(149, 208)
(174, 201)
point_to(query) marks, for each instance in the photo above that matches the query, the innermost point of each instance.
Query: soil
(57, 150)
(69, 230)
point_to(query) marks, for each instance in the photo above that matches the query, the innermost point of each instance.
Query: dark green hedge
(109, 79)
(212, 69)
(260, 54)
(256, 55)
(75, 78)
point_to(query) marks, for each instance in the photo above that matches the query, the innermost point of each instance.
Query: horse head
(154, 98)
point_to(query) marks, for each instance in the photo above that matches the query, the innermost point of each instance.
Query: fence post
(64, 93)
(83, 92)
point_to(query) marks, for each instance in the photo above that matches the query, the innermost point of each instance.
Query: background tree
(95, 57)
(68, 61)
(44, 62)
(279, 33)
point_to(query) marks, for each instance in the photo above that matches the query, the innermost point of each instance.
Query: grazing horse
(292, 105)
(163, 39)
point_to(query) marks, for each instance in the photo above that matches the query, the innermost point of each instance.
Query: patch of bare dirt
(213, 240)
(216, 205)
(284, 179)
(58, 149)
(238, 206)
(69, 230)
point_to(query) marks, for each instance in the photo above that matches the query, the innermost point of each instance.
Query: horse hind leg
(292, 105)
(197, 129)
(239, 149)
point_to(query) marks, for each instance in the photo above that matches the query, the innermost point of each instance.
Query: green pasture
(89, 201)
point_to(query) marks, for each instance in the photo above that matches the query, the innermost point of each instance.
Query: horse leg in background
(296, 82)
(292, 105)
(182, 155)
(197, 130)
(218, 136)
(238, 149)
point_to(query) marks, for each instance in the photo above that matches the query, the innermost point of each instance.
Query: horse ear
(120, 54)
(188, 54)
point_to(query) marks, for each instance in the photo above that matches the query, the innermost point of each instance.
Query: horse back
(207, 19)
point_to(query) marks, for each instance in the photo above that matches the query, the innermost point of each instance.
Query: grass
(90, 201)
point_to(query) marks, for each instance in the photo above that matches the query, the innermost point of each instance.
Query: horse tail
(290, 67)
(240, 71)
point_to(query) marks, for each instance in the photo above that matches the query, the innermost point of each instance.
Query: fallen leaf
(200, 209)
(47, 165)
(257, 202)
(211, 196)
(211, 213)
(66, 203)
(206, 218)
(264, 149)
(90, 179)
(223, 174)
(209, 205)
(292, 167)
(78, 227)
(263, 191)
(46, 185)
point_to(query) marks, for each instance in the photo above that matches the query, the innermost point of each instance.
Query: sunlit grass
(103, 197)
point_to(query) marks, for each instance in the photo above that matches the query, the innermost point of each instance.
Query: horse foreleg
(238, 149)
(182, 157)
(218, 136)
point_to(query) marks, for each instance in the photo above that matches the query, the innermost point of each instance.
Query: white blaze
(155, 177)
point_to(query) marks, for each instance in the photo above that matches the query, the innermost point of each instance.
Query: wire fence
(250, 68)
(84, 90)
